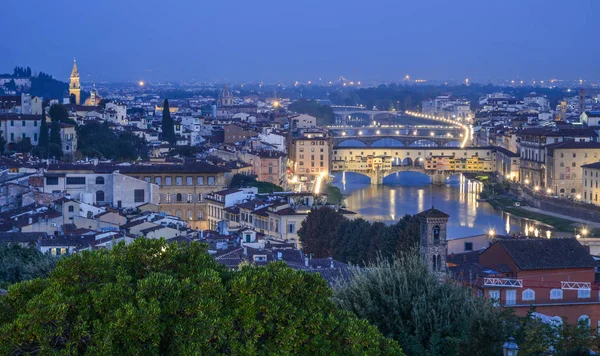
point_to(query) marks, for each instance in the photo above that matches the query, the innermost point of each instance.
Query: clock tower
(74, 88)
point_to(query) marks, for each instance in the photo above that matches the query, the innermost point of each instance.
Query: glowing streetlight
(526, 181)
(491, 232)
(584, 232)
(536, 188)
(359, 133)
(549, 191)
(578, 197)
(141, 83)
(432, 133)
(275, 104)
(378, 132)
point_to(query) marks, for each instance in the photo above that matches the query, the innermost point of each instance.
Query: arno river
(410, 193)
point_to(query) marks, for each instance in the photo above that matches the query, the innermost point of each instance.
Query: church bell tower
(433, 245)
(74, 88)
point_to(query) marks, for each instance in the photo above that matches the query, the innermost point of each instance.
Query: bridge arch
(387, 142)
(410, 177)
(418, 162)
(423, 143)
(407, 162)
(451, 144)
(352, 142)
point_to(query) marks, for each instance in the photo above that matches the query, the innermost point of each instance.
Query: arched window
(556, 294)
(584, 321)
(179, 214)
(573, 190)
(528, 294)
(99, 180)
(439, 262)
(99, 195)
(179, 197)
(436, 234)
(562, 191)
(434, 262)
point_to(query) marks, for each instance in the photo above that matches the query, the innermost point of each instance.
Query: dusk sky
(241, 40)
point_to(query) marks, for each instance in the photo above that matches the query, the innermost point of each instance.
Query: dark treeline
(323, 113)
(327, 233)
(97, 140)
(405, 97)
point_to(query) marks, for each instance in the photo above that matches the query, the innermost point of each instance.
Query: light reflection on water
(410, 193)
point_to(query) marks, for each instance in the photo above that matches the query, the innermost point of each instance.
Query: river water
(411, 192)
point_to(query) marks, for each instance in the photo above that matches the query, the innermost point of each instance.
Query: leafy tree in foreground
(408, 303)
(174, 299)
(19, 264)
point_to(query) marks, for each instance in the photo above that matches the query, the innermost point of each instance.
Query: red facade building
(556, 276)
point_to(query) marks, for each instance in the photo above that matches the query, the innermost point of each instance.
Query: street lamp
(536, 188)
(578, 197)
(584, 232)
(526, 181)
(549, 191)
(510, 348)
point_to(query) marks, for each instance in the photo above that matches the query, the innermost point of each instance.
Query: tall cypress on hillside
(55, 140)
(43, 140)
(168, 127)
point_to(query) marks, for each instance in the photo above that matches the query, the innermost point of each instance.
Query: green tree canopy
(19, 264)
(244, 181)
(154, 298)
(327, 233)
(98, 140)
(323, 113)
(59, 113)
(408, 303)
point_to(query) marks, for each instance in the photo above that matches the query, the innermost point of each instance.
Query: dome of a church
(225, 93)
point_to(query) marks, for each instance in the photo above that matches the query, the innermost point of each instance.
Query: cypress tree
(55, 141)
(43, 140)
(168, 128)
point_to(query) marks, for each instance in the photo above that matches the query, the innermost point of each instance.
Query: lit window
(528, 294)
(556, 294)
(511, 297)
(495, 297)
(583, 293)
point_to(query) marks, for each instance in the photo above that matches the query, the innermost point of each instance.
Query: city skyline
(236, 41)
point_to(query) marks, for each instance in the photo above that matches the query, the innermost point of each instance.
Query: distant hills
(42, 84)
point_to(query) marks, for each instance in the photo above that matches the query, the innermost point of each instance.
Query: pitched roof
(433, 213)
(548, 253)
(592, 165)
(574, 144)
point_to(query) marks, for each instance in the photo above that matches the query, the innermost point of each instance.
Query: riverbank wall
(561, 206)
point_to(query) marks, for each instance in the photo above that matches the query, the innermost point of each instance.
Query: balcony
(503, 282)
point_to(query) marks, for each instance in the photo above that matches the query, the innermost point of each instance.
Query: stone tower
(432, 235)
(74, 88)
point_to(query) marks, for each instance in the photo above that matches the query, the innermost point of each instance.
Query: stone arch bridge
(395, 141)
